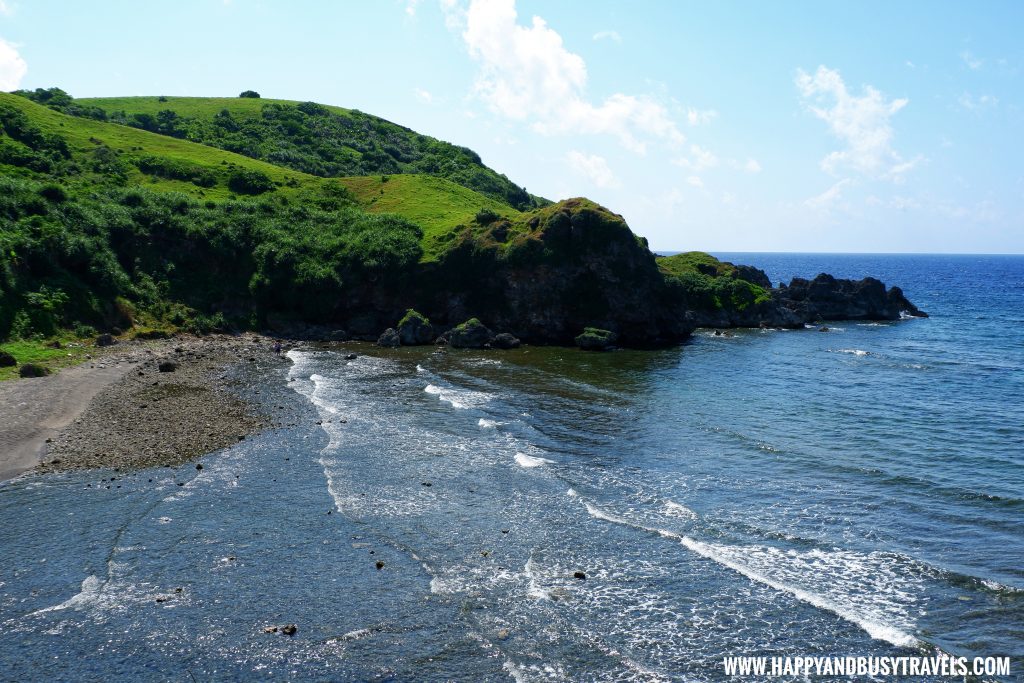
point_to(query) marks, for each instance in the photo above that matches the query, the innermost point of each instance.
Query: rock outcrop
(826, 298)
(565, 267)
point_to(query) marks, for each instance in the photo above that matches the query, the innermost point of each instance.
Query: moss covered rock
(7, 360)
(414, 329)
(471, 334)
(596, 339)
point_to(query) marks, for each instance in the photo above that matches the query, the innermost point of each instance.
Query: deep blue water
(854, 492)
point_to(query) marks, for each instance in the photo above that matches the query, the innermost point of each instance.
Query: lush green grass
(440, 207)
(38, 352)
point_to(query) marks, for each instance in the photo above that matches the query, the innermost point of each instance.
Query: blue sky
(726, 126)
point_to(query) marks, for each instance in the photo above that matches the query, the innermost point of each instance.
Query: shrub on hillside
(250, 94)
(247, 181)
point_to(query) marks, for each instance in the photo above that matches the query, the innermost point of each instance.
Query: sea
(548, 514)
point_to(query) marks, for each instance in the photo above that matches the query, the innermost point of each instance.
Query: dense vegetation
(308, 137)
(707, 283)
(101, 260)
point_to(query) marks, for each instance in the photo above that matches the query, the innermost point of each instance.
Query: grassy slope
(435, 204)
(205, 108)
(133, 143)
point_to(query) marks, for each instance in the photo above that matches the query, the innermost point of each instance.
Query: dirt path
(34, 410)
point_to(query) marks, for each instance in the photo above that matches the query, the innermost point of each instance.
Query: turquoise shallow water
(854, 492)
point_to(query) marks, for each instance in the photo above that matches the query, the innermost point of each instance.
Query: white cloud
(973, 63)
(695, 181)
(698, 160)
(972, 103)
(608, 35)
(423, 95)
(528, 75)
(752, 166)
(410, 7)
(12, 67)
(6, 9)
(828, 198)
(862, 123)
(697, 117)
(593, 167)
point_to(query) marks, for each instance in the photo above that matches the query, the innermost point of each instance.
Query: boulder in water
(505, 341)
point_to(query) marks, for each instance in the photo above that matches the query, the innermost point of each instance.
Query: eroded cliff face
(567, 267)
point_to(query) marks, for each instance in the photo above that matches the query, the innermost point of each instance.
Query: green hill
(304, 136)
(110, 226)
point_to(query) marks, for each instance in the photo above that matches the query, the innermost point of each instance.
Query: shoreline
(119, 411)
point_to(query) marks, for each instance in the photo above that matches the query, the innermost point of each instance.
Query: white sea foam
(676, 510)
(533, 588)
(420, 368)
(855, 352)
(516, 671)
(867, 590)
(88, 595)
(572, 493)
(486, 424)
(525, 460)
(459, 399)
